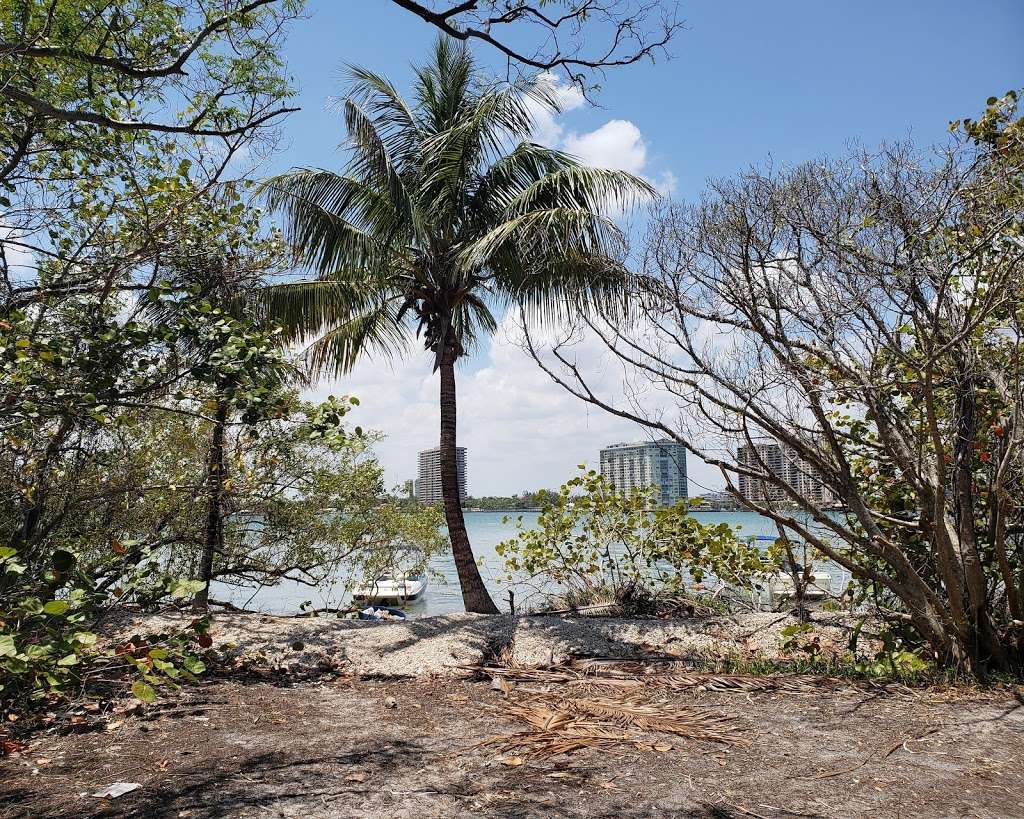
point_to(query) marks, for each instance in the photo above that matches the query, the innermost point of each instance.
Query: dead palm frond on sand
(563, 725)
(634, 674)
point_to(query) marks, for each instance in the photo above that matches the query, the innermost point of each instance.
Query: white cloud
(665, 183)
(547, 130)
(618, 144)
(522, 430)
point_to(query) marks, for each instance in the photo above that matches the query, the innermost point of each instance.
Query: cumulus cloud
(547, 130)
(617, 144)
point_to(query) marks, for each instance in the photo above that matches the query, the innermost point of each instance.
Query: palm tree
(445, 215)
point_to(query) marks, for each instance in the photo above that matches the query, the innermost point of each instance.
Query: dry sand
(440, 645)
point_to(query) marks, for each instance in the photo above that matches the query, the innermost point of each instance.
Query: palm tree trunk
(474, 593)
(213, 534)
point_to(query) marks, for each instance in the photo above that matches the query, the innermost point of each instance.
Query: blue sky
(790, 80)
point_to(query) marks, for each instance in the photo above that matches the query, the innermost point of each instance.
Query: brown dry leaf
(356, 776)
(632, 711)
(512, 761)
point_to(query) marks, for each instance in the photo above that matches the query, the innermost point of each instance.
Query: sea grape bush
(49, 647)
(593, 537)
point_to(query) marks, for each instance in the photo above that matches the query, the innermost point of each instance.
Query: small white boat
(392, 587)
(781, 585)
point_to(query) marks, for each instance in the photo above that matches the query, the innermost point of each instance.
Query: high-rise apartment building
(428, 480)
(783, 461)
(661, 464)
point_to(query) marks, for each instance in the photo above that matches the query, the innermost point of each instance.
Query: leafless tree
(866, 315)
(582, 38)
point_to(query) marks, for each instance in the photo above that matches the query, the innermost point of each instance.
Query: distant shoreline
(516, 509)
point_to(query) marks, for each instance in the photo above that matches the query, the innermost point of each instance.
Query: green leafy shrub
(593, 543)
(50, 651)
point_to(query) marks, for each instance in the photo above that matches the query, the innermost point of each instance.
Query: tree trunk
(213, 534)
(474, 593)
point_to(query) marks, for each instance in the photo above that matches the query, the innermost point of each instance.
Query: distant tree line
(524, 500)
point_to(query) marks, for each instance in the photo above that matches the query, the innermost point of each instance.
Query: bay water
(486, 530)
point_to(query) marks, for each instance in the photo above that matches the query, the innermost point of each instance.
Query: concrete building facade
(783, 461)
(428, 476)
(661, 464)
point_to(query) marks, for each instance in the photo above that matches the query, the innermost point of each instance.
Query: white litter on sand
(117, 789)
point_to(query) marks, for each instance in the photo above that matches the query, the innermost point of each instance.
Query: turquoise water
(486, 530)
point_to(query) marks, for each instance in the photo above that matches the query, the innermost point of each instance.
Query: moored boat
(782, 586)
(392, 587)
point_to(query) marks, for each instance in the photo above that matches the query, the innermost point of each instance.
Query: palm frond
(315, 204)
(372, 164)
(510, 176)
(396, 122)
(309, 308)
(543, 234)
(580, 285)
(599, 190)
(376, 332)
(444, 84)
(454, 158)
(472, 320)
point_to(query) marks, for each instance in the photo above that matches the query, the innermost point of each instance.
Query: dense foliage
(524, 500)
(152, 439)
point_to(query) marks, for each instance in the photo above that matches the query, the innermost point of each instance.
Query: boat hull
(390, 593)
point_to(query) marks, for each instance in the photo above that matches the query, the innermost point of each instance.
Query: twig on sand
(744, 810)
(873, 755)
